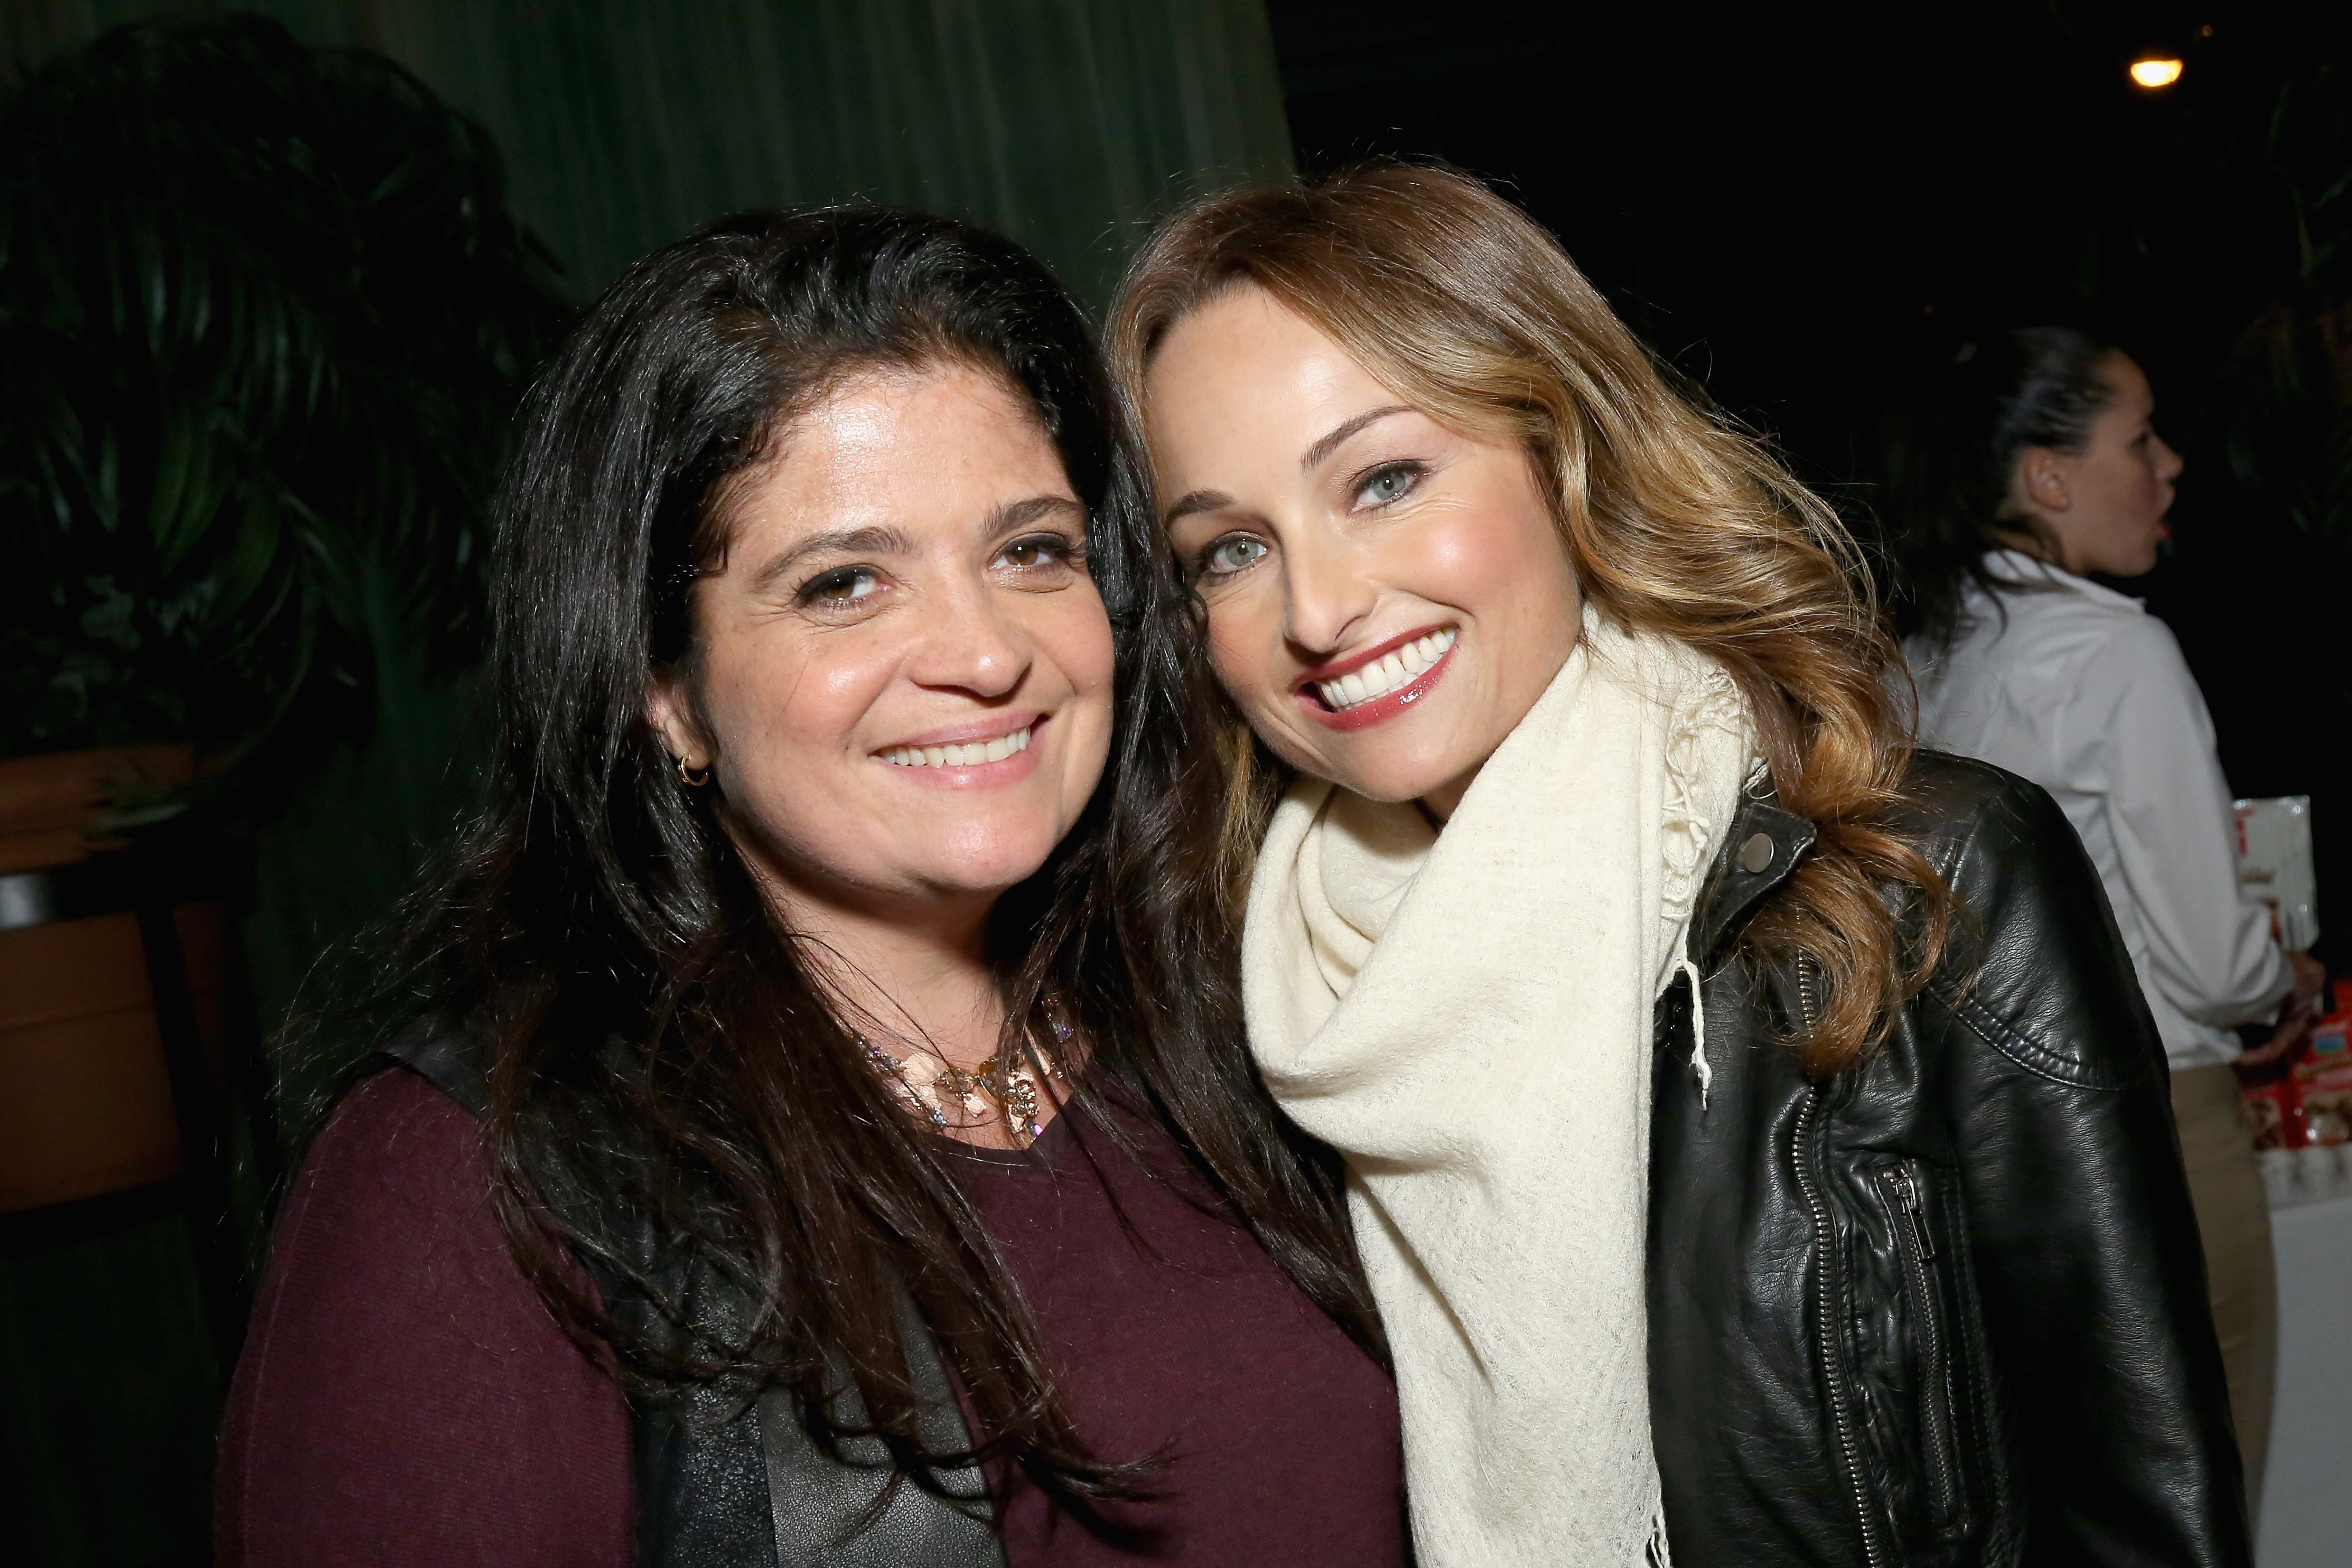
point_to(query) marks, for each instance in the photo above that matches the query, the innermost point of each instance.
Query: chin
(988, 863)
(1390, 780)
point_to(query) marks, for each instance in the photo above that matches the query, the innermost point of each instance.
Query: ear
(670, 711)
(2044, 479)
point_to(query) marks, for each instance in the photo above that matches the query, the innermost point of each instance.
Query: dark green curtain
(627, 122)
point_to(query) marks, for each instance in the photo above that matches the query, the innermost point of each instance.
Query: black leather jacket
(1947, 1307)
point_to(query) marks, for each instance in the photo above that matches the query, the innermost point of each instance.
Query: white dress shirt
(2082, 690)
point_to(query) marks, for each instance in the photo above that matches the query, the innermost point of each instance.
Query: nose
(970, 643)
(2169, 463)
(1326, 593)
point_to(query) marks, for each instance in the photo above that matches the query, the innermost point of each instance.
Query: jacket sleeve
(2209, 949)
(2083, 1239)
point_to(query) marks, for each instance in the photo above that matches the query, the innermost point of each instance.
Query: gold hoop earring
(693, 777)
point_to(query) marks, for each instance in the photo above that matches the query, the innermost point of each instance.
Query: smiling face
(2104, 505)
(1387, 597)
(902, 672)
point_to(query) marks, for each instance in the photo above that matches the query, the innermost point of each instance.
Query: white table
(2303, 1522)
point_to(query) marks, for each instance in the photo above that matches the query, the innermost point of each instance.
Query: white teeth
(969, 754)
(1385, 674)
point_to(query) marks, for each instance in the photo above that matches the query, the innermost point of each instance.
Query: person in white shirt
(2047, 468)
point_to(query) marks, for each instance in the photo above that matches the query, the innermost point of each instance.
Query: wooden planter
(120, 1001)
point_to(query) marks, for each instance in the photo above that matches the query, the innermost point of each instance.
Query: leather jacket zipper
(1917, 1247)
(1824, 1312)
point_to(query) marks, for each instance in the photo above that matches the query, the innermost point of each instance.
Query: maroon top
(404, 1400)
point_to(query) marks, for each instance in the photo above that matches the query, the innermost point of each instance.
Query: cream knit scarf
(1466, 1015)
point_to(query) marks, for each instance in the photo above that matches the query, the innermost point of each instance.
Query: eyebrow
(1329, 442)
(868, 540)
(1020, 514)
(1333, 438)
(874, 540)
(1199, 500)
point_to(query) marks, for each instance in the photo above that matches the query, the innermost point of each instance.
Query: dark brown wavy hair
(1678, 523)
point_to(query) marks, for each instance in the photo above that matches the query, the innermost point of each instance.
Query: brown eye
(1036, 552)
(842, 587)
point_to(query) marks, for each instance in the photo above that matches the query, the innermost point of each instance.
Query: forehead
(1246, 365)
(929, 448)
(2132, 394)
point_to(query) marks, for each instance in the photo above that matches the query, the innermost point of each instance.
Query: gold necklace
(929, 1081)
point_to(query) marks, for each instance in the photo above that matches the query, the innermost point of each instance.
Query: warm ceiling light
(2155, 71)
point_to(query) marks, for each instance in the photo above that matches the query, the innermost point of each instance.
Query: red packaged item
(2307, 1099)
(2322, 1081)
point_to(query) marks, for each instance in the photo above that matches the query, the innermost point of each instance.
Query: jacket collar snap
(1757, 855)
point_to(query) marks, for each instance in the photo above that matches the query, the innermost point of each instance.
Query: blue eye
(1229, 555)
(1393, 483)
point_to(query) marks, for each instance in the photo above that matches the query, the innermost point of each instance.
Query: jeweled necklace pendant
(925, 1100)
(927, 1082)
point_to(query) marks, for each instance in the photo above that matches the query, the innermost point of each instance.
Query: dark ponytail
(1953, 455)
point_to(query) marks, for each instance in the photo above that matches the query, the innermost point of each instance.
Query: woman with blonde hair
(1758, 1145)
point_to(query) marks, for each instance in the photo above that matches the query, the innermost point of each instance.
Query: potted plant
(265, 315)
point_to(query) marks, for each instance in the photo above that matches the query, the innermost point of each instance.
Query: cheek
(1501, 562)
(1245, 643)
(1072, 630)
(777, 706)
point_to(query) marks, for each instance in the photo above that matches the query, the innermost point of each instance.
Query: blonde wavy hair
(1676, 522)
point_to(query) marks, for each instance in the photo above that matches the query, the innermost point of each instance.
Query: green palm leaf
(267, 316)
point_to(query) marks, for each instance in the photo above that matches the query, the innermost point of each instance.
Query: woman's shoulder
(401, 1381)
(1947, 800)
(396, 1124)
(2000, 841)
(398, 1167)
(2053, 620)
(2033, 965)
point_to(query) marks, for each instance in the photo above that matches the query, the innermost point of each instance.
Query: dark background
(1806, 209)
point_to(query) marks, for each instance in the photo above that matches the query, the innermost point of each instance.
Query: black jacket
(1948, 1305)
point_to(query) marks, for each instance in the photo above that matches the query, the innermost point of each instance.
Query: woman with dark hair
(1758, 1147)
(820, 1134)
(2036, 465)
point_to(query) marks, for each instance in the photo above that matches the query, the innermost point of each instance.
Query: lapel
(1745, 869)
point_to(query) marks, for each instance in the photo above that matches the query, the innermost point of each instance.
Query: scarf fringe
(1712, 704)
(1699, 1064)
